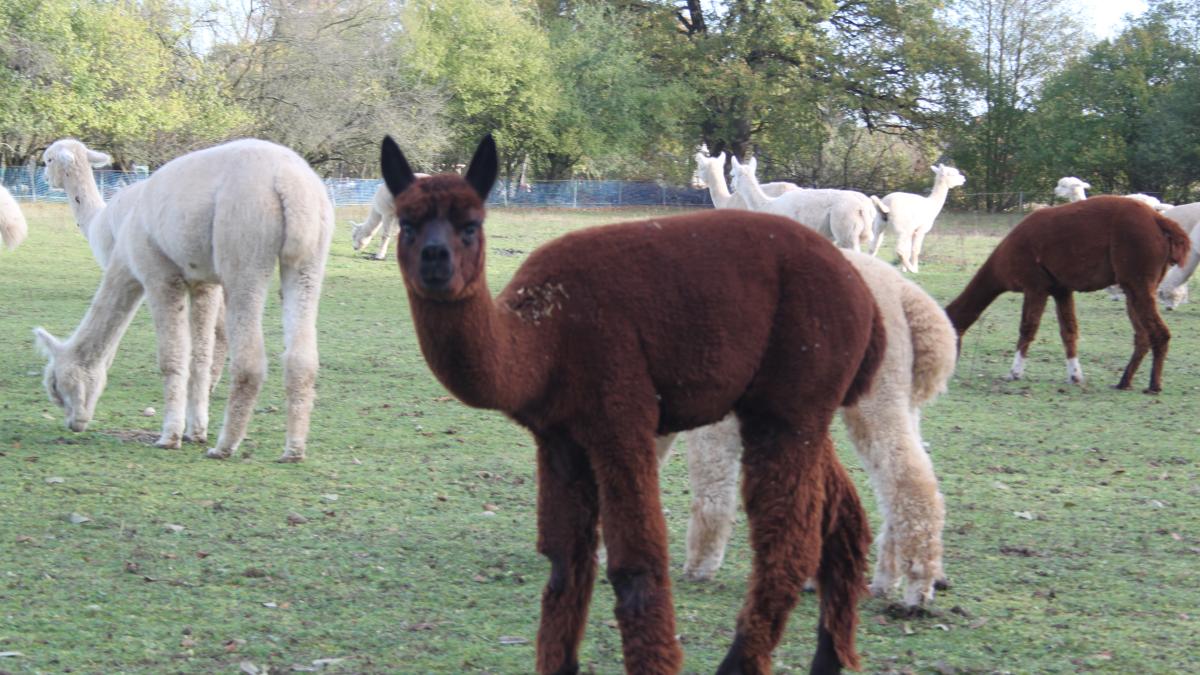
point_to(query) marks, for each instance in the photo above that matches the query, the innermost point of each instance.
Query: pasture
(405, 542)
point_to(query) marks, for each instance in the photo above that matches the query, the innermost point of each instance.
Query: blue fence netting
(29, 184)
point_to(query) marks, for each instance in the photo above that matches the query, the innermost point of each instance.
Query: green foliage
(104, 72)
(1123, 118)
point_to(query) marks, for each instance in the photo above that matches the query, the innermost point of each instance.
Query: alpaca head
(740, 173)
(1072, 188)
(706, 166)
(69, 161)
(441, 222)
(70, 385)
(359, 237)
(1173, 298)
(948, 174)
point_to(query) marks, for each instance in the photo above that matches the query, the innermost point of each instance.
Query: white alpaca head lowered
(706, 166)
(71, 385)
(1071, 188)
(69, 162)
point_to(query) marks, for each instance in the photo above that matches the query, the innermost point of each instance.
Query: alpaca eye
(408, 230)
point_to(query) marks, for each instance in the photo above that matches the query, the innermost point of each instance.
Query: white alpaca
(710, 173)
(1173, 290)
(912, 215)
(1071, 188)
(12, 222)
(845, 217)
(213, 221)
(382, 217)
(885, 428)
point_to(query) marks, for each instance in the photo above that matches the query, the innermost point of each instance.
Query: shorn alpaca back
(12, 222)
(193, 209)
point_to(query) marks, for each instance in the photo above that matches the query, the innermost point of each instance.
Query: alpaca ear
(46, 344)
(397, 174)
(481, 172)
(98, 159)
(734, 162)
(1085, 186)
(753, 165)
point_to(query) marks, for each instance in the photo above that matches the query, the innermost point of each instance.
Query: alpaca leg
(1068, 328)
(220, 342)
(168, 305)
(301, 287)
(635, 534)
(1141, 303)
(204, 307)
(1141, 345)
(713, 470)
(904, 242)
(909, 544)
(784, 510)
(248, 363)
(918, 245)
(1031, 318)
(567, 534)
(384, 241)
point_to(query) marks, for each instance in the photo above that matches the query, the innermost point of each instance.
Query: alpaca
(69, 165)
(382, 216)
(609, 336)
(12, 222)
(710, 173)
(1173, 290)
(912, 216)
(210, 222)
(885, 427)
(845, 217)
(1073, 189)
(1081, 246)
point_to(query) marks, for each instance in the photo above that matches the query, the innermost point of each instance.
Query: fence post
(662, 189)
(1021, 201)
(574, 193)
(620, 185)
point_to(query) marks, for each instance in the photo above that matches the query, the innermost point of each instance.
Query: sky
(1107, 14)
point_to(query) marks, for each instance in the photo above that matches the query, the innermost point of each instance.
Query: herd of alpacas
(744, 332)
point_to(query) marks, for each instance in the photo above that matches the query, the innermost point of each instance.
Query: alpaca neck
(937, 196)
(85, 201)
(718, 190)
(95, 340)
(485, 355)
(755, 197)
(983, 288)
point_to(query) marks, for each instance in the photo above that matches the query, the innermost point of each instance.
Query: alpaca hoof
(291, 457)
(1012, 377)
(942, 584)
(1074, 380)
(1122, 386)
(878, 590)
(699, 574)
(214, 453)
(1152, 391)
(171, 442)
(810, 586)
(201, 438)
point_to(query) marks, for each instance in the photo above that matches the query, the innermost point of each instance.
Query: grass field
(1072, 539)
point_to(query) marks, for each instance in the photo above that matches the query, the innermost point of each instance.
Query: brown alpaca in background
(1083, 246)
(609, 336)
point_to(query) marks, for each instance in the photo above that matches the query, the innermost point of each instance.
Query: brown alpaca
(1082, 246)
(612, 335)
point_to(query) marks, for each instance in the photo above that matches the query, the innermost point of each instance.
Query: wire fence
(29, 184)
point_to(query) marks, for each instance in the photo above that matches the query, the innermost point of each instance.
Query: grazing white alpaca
(710, 173)
(382, 217)
(1071, 188)
(845, 217)
(12, 222)
(212, 221)
(912, 215)
(69, 165)
(1173, 290)
(885, 428)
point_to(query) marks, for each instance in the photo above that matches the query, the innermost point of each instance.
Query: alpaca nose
(434, 253)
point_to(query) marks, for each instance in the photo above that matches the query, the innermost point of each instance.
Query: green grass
(404, 573)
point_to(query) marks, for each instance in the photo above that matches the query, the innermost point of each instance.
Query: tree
(1019, 43)
(116, 74)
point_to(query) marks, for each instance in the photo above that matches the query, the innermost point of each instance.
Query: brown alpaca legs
(1068, 328)
(1031, 317)
(567, 515)
(1149, 333)
(783, 464)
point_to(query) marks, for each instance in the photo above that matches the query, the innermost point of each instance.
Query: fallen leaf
(321, 663)
(512, 640)
(187, 642)
(1025, 515)
(202, 554)
(908, 630)
(55, 479)
(248, 668)
(491, 507)
(9, 655)
(172, 527)
(296, 519)
(131, 567)
(330, 497)
(24, 539)
(232, 645)
(254, 573)
(270, 605)
(78, 518)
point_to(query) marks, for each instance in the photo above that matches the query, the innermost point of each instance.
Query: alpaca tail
(12, 228)
(846, 542)
(308, 220)
(934, 343)
(883, 209)
(1178, 243)
(871, 359)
